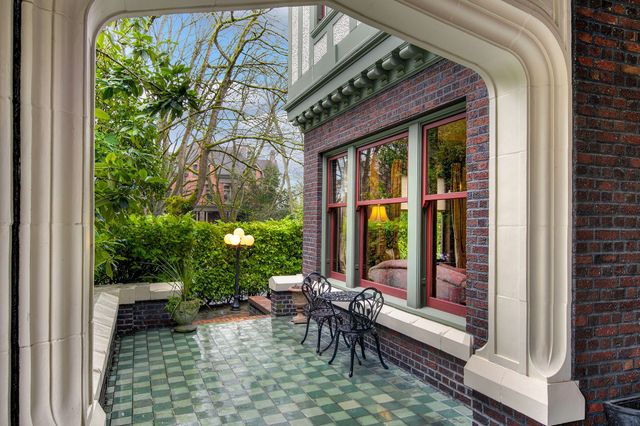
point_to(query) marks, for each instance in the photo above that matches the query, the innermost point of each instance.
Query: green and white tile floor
(256, 372)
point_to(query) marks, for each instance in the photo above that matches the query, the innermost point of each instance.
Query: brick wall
(606, 42)
(282, 304)
(437, 86)
(142, 316)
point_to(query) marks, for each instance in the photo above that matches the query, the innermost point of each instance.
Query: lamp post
(237, 241)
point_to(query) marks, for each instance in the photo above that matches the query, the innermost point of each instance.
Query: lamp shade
(235, 240)
(378, 214)
(227, 238)
(247, 240)
(238, 232)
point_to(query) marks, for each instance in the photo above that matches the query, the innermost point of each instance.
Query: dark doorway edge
(15, 225)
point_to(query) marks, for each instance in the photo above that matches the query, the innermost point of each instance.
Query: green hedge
(147, 242)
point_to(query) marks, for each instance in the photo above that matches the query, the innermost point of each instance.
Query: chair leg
(353, 352)
(375, 336)
(333, 336)
(320, 324)
(306, 332)
(362, 346)
(335, 351)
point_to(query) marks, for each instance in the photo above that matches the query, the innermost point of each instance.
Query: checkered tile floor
(256, 372)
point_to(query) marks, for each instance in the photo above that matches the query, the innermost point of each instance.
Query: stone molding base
(547, 403)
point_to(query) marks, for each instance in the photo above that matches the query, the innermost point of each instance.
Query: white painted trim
(283, 282)
(6, 203)
(548, 403)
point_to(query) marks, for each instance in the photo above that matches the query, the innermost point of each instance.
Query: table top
(341, 296)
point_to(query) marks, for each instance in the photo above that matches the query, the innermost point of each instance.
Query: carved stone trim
(400, 64)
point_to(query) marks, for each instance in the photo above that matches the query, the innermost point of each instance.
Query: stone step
(260, 303)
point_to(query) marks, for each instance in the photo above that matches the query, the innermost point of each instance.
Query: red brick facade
(440, 85)
(606, 37)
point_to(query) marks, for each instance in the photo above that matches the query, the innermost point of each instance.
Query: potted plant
(184, 305)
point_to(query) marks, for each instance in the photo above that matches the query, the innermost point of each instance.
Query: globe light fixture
(238, 240)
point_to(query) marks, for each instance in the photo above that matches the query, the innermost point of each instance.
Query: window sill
(437, 329)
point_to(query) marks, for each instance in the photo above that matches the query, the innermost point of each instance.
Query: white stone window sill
(445, 337)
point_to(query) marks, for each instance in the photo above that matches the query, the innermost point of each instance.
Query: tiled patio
(256, 372)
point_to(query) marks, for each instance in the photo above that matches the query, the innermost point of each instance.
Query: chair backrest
(314, 285)
(364, 309)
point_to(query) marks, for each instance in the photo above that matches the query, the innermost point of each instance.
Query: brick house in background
(397, 197)
(221, 181)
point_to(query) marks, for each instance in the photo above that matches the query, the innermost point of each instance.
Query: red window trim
(425, 148)
(427, 203)
(332, 273)
(360, 202)
(332, 206)
(329, 175)
(392, 291)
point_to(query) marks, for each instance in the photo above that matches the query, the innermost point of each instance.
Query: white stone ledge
(548, 403)
(283, 282)
(107, 300)
(448, 339)
(105, 314)
(138, 292)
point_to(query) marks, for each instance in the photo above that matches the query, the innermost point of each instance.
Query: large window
(382, 206)
(385, 254)
(445, 205)
(337, 213)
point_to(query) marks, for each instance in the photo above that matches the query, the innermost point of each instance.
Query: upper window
(445, 206)
(323, 10)
(382, 203)
(337, 214)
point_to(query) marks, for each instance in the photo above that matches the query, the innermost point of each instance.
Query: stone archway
(522, 52)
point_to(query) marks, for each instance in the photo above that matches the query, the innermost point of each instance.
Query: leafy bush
(277, 251)
(147, 242)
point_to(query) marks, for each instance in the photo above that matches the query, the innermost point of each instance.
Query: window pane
(339, 181)
(385, 245)
(383, 169)
(447, 146)
(449, 249)
(338, 239)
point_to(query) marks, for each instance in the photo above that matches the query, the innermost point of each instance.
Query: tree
(136, 84)
(264, 199)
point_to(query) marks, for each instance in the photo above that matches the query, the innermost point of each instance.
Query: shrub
(277, 251)
(148, 242)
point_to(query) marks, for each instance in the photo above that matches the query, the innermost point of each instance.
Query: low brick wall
(282, 304)
(142, 316)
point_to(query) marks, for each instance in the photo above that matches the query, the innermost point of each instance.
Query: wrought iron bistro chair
(361, 320)
(317, 309)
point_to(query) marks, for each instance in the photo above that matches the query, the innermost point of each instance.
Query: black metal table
(339, 296)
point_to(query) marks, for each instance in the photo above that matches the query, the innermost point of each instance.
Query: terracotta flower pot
(298, 301)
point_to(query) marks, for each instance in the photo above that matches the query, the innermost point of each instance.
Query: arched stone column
(6, 205)
(522, 52)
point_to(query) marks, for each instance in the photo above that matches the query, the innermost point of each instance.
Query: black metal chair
(361, 320)
(317, 309)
